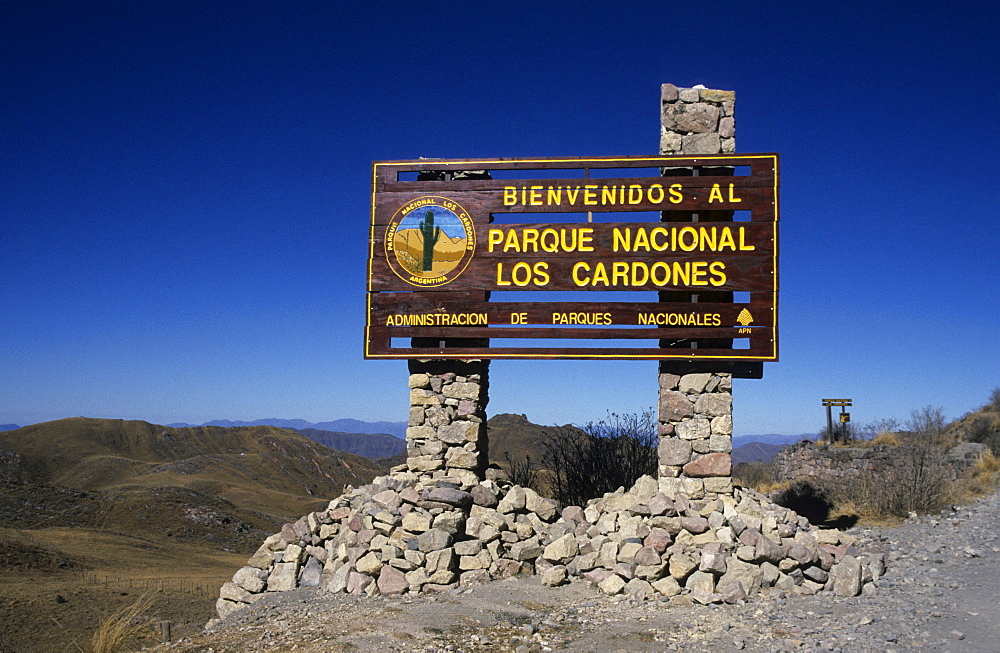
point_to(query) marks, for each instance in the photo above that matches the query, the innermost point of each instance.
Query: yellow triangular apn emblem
(744, 317)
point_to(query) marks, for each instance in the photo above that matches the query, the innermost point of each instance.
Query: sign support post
(695, 399)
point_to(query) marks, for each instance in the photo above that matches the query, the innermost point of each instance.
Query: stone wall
(845, 467)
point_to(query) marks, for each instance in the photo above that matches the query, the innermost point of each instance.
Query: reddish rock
(392, 581)
(694, 525)
(288, 534)
(659, 539)
(712, 464)
(674, 406)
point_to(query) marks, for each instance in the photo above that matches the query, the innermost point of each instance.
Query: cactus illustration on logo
(430, 235)
(429, 241)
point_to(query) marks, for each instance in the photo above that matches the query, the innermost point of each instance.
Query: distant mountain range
(772, 438)
(397, 429)
(508, 434)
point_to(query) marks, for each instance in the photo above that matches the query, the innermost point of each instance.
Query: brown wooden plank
(608, 353)
(641, 333)
(739, 273)
(759, 163)
(388, 306)
(554, 239)
(480, 203)
(701, 184)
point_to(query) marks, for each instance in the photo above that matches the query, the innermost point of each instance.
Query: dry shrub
(978, 480)
(917, 482)
(880, 440)
(585, 463)
(124, 624)
(809, 499)
(757, 475)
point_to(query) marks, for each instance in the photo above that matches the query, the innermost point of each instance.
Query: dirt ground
(58, 584)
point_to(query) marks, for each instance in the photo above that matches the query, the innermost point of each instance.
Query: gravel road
(941, 592)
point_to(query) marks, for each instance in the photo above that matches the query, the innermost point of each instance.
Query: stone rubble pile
(397, 536)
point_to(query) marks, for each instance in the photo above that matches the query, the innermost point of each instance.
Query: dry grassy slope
(981, 425)
(156, 475)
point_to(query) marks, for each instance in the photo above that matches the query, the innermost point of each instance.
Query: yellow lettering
(535, 196)
(733, 198)
(639, 266)
(586, 237)
(554, 196)
(658, 231)
(620, 240)
(577, 267)
(707, 236)
(726, 240)
(541, 274)
(571, 194)
(681, 271)
(715, 194)
(641, 240)
(718, 271)
(619, 271)
(571, 245)
(608, 194)
(743, 246)
(600, 274)
(512, 243)
(634, 193)
(664, 268)
(698, 273)
(530, 238)
(689, 231)
(500, 281)
(494, 237)
(549, 240)
(509, 195)
(676, 196)
(524, 267)
(590, 194)
(658, 188)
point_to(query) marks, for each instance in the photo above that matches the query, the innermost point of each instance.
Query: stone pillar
(696, 432)
(696, 403)
(446, 433)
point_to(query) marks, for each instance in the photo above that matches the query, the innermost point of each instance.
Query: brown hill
(187, 479)
(94, 512)
(515, 435)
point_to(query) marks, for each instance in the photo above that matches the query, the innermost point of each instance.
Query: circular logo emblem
(430, 241)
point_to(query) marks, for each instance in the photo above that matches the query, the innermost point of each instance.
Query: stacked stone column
(696, 434)
(446, 436)
(696, 402)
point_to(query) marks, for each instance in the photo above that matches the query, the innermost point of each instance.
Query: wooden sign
(478, 265)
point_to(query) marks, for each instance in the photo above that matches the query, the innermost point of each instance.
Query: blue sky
(186, 188)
